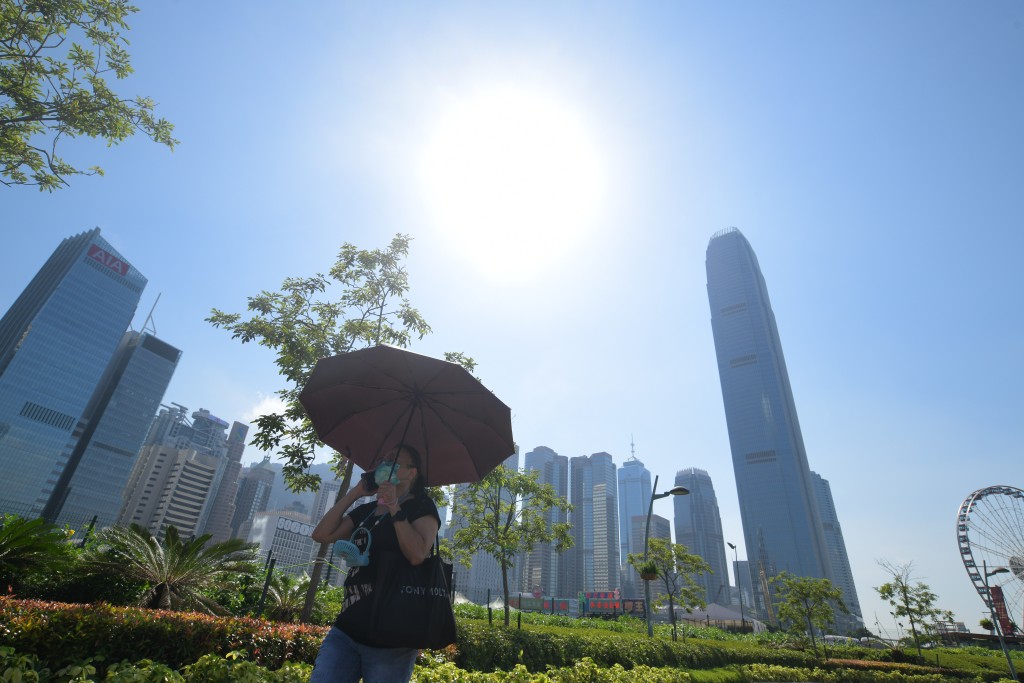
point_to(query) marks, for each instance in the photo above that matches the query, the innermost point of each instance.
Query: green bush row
(484, 648)
(235, 668)
(68, 633)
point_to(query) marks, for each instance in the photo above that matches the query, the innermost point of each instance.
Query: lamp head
(731, 546)
(678, 491)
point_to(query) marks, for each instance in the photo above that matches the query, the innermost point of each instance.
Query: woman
(403, 522)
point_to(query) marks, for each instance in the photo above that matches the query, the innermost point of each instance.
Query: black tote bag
(410, 606)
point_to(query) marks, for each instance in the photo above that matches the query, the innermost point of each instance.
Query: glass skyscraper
(107, 441)
(542, 567)
(842, 575)
(594, 557)
(634, 499)
(55, 344)
(699, 528)
(781, 525)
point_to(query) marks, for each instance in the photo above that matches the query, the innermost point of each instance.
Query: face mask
(384, 473)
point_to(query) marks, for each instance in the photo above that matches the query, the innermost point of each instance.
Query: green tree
(55, 57)
(29, 545)
(987, 624)
(677, 568)
(807, 603)
(360, 302)
(505, 514)
(909, 597)
(176, 572)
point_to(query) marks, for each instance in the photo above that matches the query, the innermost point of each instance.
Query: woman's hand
(387, 497)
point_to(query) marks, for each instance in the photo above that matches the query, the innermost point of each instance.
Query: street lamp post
(995, 619)
(739, 586)
(676, 491)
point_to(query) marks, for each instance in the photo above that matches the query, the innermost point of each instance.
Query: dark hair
(418, 486)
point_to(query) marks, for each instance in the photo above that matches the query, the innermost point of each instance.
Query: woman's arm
(416, 538)
(335, 525)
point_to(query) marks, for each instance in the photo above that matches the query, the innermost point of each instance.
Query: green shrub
(66, 634)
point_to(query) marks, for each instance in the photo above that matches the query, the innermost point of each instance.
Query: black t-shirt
(360, 580)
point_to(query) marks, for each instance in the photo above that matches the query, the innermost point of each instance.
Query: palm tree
(176, 571)
(286, 596)
(29, 544)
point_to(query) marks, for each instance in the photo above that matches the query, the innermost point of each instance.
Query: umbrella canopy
(364, 403)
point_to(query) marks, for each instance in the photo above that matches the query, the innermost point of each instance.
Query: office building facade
(254, 488)
(56, 341)
(542, 568)
(593, 491)
(634, 499)
(781, 525)
(842, 574)
(699, 527)
(101, 453)
(482, 580)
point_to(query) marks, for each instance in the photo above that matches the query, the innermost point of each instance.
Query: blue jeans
(343, 660)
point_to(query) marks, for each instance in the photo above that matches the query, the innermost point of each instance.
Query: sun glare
(512, 179)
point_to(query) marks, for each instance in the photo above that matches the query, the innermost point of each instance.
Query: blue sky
(871, 153)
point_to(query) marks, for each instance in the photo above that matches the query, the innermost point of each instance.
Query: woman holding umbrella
(403, 522)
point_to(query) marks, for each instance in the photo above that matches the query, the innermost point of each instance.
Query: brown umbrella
(365, 402)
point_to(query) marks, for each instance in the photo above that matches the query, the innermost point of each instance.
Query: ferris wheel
(990, 533)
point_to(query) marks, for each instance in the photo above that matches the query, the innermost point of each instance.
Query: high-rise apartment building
(842, 575)
(254, 487)
(542, 570)
(93, 472)
(781, 525)
(180, 472)
(699, 528)
(594, 558)
(56, 341)
(634, 499)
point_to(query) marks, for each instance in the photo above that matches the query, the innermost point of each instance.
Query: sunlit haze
(512, 179)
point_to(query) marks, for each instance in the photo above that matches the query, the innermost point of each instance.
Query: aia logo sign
(108, 259)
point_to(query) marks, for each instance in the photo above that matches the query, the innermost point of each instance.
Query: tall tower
(56, 340)
(594, 557)
(842, 575)
(781, 526)
(107, 440)
(699, 528)
(634, 497)
(542, 569)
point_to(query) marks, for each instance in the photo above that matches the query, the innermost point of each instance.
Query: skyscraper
(92, 475)
(254, 487)
(222, 508)
(594, 557)
(634, 498)
(179, 473)
(483, 577)
(56, 340)
(842, 575)
(699, 528)
(781, 525)
(542, 569)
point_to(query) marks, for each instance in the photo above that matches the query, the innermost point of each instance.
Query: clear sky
(871, 152)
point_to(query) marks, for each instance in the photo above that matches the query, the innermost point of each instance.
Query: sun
(512, 178)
